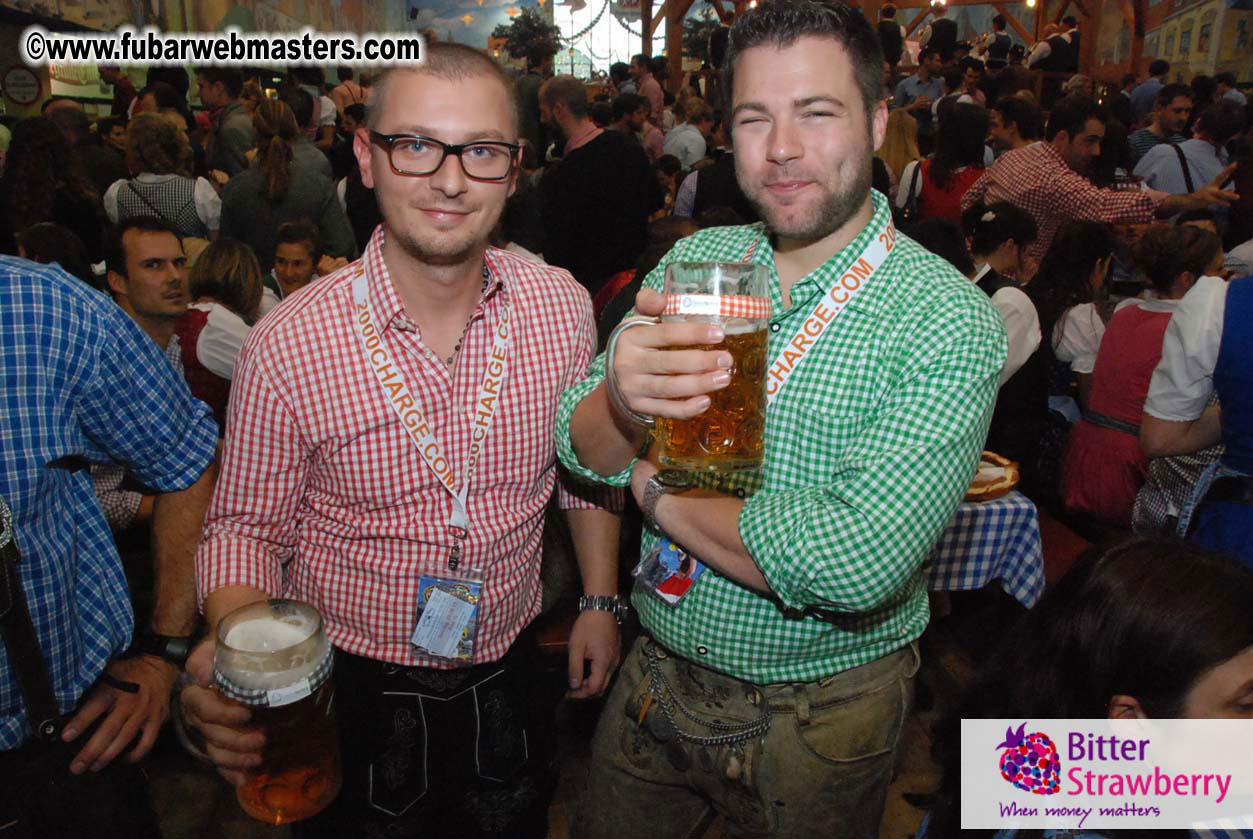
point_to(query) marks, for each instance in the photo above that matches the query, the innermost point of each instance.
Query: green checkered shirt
(869, 449)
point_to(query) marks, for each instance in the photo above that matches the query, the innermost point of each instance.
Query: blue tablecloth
(991, 540)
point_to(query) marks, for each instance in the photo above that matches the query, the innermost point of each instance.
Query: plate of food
(995, 477)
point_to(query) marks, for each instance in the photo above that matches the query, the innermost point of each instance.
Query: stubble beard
(833, 212)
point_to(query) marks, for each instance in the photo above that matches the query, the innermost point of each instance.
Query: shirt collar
(386, 302)
(825, 276)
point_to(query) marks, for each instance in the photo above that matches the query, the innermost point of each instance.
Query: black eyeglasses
(413, 154)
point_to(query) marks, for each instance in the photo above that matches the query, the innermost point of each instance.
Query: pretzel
(996, 476)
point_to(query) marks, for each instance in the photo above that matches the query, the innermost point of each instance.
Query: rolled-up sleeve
(852, 543)
(139, 412)
(581, 390)
(250, 529)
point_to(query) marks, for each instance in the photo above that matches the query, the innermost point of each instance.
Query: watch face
(674, 478)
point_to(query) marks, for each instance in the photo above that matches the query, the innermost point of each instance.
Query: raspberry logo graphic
(1030, 762)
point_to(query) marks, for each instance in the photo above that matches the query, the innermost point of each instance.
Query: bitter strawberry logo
(1030, 762)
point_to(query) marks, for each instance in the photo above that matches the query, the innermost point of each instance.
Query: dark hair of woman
(1164, 252)
(987, 228)
(37, 167)
(959, 141)
(945, 240)
(1115, 154)
(1144, 619)
(47, 242)
(1065, 276)
(276, 131)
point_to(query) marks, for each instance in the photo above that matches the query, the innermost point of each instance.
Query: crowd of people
(309, 355)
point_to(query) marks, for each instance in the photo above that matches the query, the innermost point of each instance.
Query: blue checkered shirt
(80, 384)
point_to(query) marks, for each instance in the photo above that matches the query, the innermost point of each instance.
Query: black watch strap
(172, 648)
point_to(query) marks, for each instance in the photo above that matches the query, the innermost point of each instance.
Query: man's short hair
(344, 73)
(1071, 114)
(627, 103)
(601, 113)
(1169, 93)
(619, 72)
(1221, 121)
(105, 125)
(232, 78)
(115, 248)
(999, 22)
(449, 61)
(175, 77)
(300, 231)
(668, 164)
(1024, 115)
(568, 91)
(356, 110)
(888, 11)
(642, 60)
(926, 52)
(1129, 78)
(52, 100)
(1070, 20)
(953, 77)
(1228, 79)
(1159, 67)
(301, 104)
(780, 23)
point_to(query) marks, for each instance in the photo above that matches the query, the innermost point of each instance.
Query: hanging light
(513, 11)
(467, 19)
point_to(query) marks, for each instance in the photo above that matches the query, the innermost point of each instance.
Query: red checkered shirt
(1035, 178)
(324, 497)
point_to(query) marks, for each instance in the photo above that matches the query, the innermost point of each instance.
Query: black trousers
(40, 799)
(441, 753)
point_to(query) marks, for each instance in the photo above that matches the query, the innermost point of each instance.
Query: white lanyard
(415, 423)
(830, 305)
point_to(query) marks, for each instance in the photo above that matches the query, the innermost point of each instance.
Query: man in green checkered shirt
(775, 691)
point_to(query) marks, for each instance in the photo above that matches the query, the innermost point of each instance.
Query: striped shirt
(868, 451)
(322, 494)
(79, 384)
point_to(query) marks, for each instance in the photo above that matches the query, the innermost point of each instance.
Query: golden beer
(729, 435)
(274, 658)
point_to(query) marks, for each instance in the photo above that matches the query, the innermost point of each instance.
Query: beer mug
(729, 435)
(274, 657)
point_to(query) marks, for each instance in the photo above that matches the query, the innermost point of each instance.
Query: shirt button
(774, 327)
(702, 649)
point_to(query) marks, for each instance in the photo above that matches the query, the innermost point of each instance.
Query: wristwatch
(172, 648)
(613, 604)
(661, 483)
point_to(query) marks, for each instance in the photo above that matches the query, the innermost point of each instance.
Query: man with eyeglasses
(389, 459)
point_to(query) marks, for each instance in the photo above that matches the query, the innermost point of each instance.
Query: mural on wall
(1202, 36)
(96, 14)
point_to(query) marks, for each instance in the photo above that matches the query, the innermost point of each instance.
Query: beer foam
(253, 667)
(267, 635)
(739, 326)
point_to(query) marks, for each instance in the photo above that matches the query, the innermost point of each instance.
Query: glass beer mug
(274, 657)
(729, 435)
